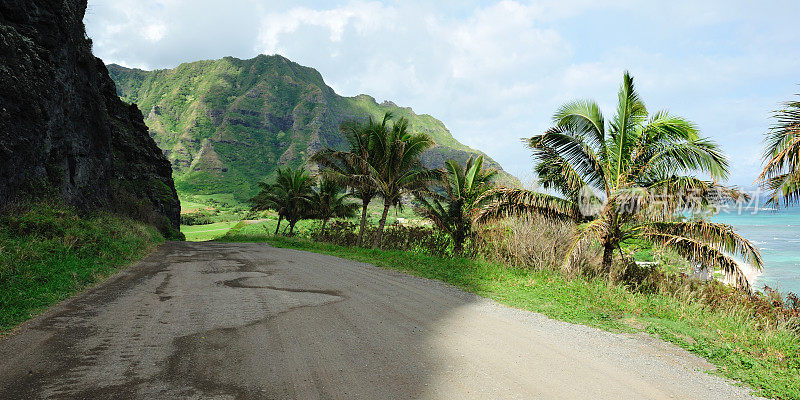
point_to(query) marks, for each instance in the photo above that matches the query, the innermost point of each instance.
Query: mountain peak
(227, 124)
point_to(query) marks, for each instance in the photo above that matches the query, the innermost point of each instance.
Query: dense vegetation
(452, 211)
(293, 197)
(49, 252)
(228, 124)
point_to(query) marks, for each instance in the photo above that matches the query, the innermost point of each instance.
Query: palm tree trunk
(322, 230)
(291, 227)
(379, 236)
(280, 217)
(608, 258)
(363, 225)
(458, 243)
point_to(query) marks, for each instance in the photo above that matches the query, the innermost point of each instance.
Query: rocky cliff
(62, 126)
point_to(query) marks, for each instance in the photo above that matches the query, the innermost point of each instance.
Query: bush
(531, 243)
(199, 218)
(395, 237)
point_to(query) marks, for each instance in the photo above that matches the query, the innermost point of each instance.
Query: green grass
(200, 233)
(49, 253)
(216, 201)
(223, 218)
(766, 359)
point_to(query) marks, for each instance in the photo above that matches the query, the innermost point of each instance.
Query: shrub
(531, 243)
(198, 218)
(395, 237)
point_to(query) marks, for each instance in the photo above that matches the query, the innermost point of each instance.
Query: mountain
(226, 124)
(63, 129)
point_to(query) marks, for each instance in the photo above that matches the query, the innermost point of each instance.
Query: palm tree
(629, 179)
(289, 195)
(330, 200)
(453, 211)
(353, 166)
(781, 173)
(397, 169)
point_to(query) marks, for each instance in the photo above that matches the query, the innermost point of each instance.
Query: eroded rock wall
(63, 129)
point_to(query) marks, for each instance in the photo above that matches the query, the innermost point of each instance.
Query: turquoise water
(777, 234)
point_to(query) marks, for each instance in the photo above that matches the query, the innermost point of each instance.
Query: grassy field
(767, 359)
(199, 233)
(224, 212)
(48, 253)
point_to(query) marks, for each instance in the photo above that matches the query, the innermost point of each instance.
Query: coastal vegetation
(289, 196)
(615, 191)
(630, 179)
(352, 166)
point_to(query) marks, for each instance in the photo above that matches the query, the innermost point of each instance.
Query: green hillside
(226, 124)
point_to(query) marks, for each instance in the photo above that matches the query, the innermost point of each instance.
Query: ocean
(777, 234)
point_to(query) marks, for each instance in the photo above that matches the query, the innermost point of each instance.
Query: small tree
(289, 196)
(353, 167)
(453, 211)
(396, 168)
(330, 200)
(629, 179)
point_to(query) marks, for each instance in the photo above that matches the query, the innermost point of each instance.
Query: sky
(494, 72)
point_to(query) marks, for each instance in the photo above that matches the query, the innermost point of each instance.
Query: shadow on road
(199, 320)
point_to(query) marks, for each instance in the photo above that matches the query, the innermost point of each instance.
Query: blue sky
(494, 72)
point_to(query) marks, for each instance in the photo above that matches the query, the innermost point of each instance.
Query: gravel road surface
(248, 321)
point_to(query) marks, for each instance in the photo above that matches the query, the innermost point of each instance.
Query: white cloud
(365, 17)
(154, 32)
(501, 38)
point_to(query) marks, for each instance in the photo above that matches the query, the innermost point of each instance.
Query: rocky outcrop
(63, 129)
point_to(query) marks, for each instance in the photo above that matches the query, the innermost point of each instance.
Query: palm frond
(784, 189)
(560, 147)
(698, 155)
(506, 202)
(584, 118)
(719, 236)
(782, 157)
(625, 128)
(700, 252)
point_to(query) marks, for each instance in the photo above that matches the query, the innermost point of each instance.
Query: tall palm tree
(781, 173)
(630, 178)
(289, 195)
(353, 166)
(330, 200)
(397, 169)
(453, 211)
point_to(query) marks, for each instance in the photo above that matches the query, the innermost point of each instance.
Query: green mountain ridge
(226, 124)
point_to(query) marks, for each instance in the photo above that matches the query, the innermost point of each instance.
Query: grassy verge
(766, 358)
(199, 233)
(48, 253)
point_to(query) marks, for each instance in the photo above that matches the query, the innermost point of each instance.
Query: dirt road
(247, 321)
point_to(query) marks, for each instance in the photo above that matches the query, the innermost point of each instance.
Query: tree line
(382, 160)
(600, 174)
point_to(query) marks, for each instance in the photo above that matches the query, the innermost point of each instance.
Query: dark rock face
(62, 125)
